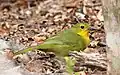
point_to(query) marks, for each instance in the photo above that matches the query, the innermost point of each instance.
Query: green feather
(62, 43)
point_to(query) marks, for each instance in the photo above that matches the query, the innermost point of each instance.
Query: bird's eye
(82, 27)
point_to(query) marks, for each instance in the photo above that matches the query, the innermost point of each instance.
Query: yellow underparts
(85, 35)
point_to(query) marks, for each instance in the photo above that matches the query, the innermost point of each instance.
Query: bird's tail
(23, 51)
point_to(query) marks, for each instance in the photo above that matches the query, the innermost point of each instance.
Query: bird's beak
(92, 28)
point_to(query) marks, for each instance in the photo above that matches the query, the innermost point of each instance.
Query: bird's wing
(66, 40)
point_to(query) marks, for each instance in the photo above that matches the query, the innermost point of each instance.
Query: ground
(26, 23)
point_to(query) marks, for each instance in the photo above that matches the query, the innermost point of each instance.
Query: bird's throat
(85, 35)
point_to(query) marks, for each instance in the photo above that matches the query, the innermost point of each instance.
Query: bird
(75, 38)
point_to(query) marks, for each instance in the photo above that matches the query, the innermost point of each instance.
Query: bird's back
(64, 42)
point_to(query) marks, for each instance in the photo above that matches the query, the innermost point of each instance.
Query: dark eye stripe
(82, 27)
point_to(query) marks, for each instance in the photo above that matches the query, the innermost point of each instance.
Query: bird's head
(82, 29)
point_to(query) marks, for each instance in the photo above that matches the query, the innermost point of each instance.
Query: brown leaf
(71, 3)
(39, 39)
(3, 31)
(9, 54)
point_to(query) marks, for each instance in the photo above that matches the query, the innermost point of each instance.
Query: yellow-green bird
(73, 39)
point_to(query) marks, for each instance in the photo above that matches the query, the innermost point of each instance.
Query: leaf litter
(30, 22)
